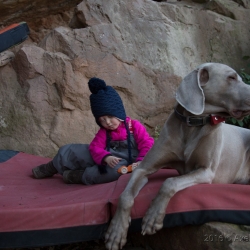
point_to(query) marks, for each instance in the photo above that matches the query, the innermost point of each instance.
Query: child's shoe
(44, 170)
(73, 176)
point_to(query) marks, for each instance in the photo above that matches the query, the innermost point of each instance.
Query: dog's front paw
(116, 235)
(153, 220)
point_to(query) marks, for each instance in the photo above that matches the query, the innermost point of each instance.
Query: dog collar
(199, 120)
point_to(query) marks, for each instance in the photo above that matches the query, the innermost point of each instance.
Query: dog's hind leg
(153, 220)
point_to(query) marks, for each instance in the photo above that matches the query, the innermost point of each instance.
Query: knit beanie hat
(104, 100)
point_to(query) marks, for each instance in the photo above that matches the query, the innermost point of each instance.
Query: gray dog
(193, 141)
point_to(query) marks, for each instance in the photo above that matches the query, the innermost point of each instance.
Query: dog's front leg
(116, 235)
(153, 220)
(160, 154)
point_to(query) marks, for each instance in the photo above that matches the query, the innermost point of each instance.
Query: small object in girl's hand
(126, 169)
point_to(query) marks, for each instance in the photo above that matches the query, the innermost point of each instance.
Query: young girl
(119, 141)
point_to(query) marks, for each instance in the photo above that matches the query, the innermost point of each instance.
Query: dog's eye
(232, 77)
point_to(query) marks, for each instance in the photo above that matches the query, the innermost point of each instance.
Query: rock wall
(142, 48)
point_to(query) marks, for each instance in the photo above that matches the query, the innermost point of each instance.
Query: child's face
(109, 122)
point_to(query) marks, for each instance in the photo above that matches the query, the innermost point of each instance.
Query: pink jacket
(141, 136)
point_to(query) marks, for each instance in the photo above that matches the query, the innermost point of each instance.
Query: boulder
(142, 48)
(16, 10)
(6, 57)
(227, 9)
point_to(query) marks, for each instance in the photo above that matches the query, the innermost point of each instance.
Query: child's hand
(112, 161)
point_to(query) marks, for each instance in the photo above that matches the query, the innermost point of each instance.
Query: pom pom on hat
(96, 84)
(104, 100)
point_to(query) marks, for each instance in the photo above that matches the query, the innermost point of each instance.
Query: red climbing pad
(195, 205)
(49, 212)
(29, 205)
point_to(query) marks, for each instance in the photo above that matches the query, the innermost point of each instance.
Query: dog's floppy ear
(190, 94)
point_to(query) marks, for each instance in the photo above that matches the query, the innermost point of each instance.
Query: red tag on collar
(215, 119)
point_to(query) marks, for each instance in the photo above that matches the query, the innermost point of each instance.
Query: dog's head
(214, 88)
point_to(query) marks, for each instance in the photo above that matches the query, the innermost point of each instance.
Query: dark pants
(77, 156)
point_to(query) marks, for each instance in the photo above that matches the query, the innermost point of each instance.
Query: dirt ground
(90, 245)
